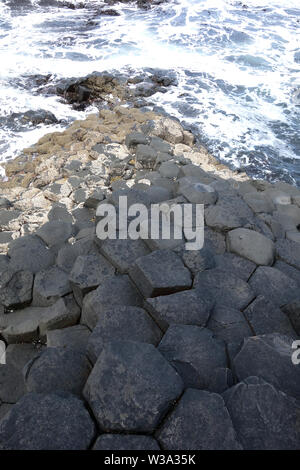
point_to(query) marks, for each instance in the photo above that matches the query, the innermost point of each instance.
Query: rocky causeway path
(142, 344)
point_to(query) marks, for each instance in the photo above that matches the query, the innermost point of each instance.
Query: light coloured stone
(251, 245)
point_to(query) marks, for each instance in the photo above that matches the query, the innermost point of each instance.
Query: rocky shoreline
(131, 344)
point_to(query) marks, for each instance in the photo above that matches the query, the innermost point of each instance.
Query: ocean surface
(237, 66)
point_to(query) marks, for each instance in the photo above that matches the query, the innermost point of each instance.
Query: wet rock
(251, 245)
(75, 337)
(269, 357)
(57, 369)
(224, 288)
(49, 286)
(29, 253)
(123, 253)
(274, 285)
(121, 324)
(265, 317)
(199, 422)
(87, 273)
(269, 421)
(194, 353)
(116, 290)
(137, 367)
(186, 308)
(16, 288)
(229, 324)
(39, 116)
(125, 442)
(32, 425)
(55, 232)
(236, 265)
(161, 272)
(289, 252)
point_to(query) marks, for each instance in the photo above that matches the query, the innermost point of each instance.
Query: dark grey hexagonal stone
(288, 270)
(145, 156)
(269, 357)
(16, 288)
(116, 290)
(87, 273)
(131, 387)
(229, 324)
(122, 323)
(265, 317)
(135, 138)
(194, 353)
(263, 417)
(125, 442)
(29, 253)
(49, 286)
(18, 355)
(123, 253)
(200, 421)
(55, 232)
(292, 310)
(289, 252)
(57, 369)
(274, 285)
(57, 421)
(186, 308)
(74, 337)
(161, 272)
(223, 287)
(236, 265)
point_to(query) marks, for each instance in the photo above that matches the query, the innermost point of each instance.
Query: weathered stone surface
(74, 337)
(221, 218)
(259, 202)
(277, 197)
(199, 193)
(135, 138)
(57, 369)
(224, 288)
(116, 290)
(214, 241)
(289, 252)
(161, 272)
(49, 286)
(251, 245)
(17, 355)
(122, 324)
(4, 409)
(236, 265)
(263, 417)
(194, 353)
(4, 262)
(94, 198)
(269, 357)
(168, 170)
(68, 253)
(123, 253)
(16, 288)
(29, 253)
(265, 317)
(7, 217)
(125, 442)
(186, 308)
(288, 270)
(55, 232)
(199, 422)
(145, 156)
(229, 324)
(161, 145)
(87, 273)
(220, 380)
(292, 310)
(131, 387)
(31, 323)
(274, 285)
(198, 260)
(57, 421)
(12, 385)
